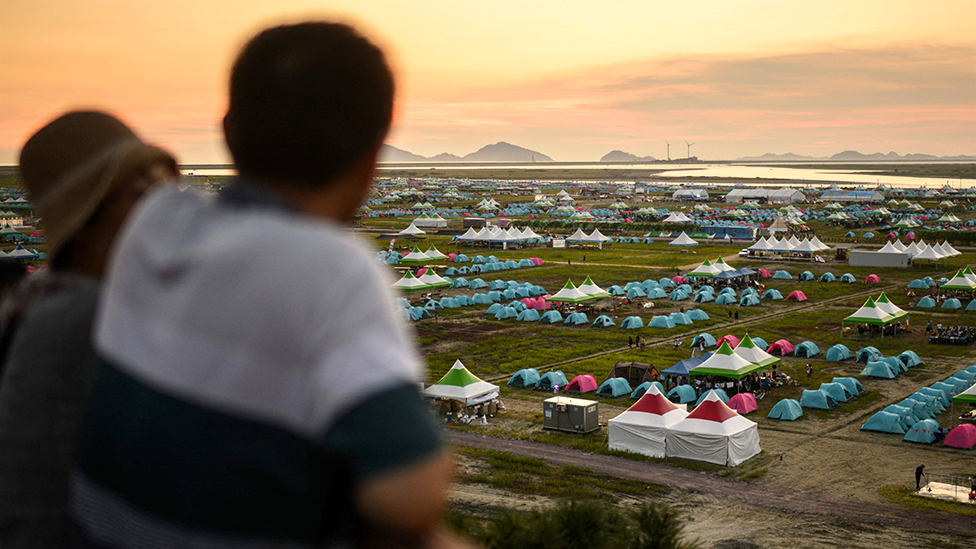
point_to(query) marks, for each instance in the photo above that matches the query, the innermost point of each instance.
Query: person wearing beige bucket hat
(84, 172)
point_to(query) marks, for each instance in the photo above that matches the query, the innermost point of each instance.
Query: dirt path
(735, 492)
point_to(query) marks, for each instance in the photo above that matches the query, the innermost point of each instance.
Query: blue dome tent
(661, 322)
(603, 321)
(787, 409)
(526, 377)
(828, 277)
(614, 387)
(632, 323)
(922, 432)
(817, 399)
(552, 379)
(884, 422)
(806, 349)
(838, 352)
(682, 394)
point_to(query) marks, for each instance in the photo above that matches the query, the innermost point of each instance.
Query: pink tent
(963, 436)
(872, 279)
(679, 279)
(420, 272)
(743, 403)
(733, 341)
(782, 347)
(541, 304)
(529, 302)
(582, 384)
(450, 257)
(536, 260)
(797, 295)
(764, 273)
(910, 236)
(892, 235)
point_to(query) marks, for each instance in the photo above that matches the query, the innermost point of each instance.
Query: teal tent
(704, 297)
(828, 277)
(919, 408)
(880, 369)
(806, 349)
(838, 352)
(787, 409)
(749, 300)
(632, 323)
(603, 321)
(817, 399)
(636, 292)
(782, 275)
(614, 387)
(725, 299)
(551, 317)
(925, 303)
(951, 303)
(848, 278)
(910, 359)
(773, 294)
(869, 354)
(661, 322)
(657, 293)
(528, 315)
(905, 415)
(643, 387)
(806, 276)
(697, 315)
(971, 306)
(449, 303)
(836, 391)
(680, 319)
(939, 394)
(494, 308)
(682, 394)
(526, 377)
(918, 284)
(884, 422)
(552, 379)
(852, 385)
(761, 343)
(922, 432)
(505, 313)
(709, 339)
(720, 393)
(679, 295)
(576, 319)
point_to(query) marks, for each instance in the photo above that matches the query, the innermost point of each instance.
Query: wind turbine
(669, 149)
(689, 148)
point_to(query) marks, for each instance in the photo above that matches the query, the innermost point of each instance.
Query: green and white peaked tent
(569, 294)
(960, 282)
(869, 313)
(968, 396)
(434, 253)
(410, 282)
(968, 273)
(887, 306)
(415, 256)
(459, 384)
(721, 265)
(592, 290)
(706, 269)
(725, 363)
(754, 354)
(433, 280)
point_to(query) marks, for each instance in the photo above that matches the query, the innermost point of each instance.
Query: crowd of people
(953, 335)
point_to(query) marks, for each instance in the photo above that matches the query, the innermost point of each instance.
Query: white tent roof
(579, 236)
(762, 245)
(705, 269)
(929, 253)
(898, 246)
(569, 294)
(410, 282)
(589, 288)
(470, 234)
(715, 433)
(597, 236)
(888, 249)
(820, 244)
(683, 240)
(412, 229)
(643, 427)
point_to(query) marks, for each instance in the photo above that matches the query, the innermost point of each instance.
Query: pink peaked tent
(733, 341)
(963, 436)
(781, 347)
(872, 279)
(582, 384)
(743, 403)
(643, 427)
(797, 295)
(764, 273)
(536, 260)
(541, 304)
(679, 279)
(451, 257)
(715, 433)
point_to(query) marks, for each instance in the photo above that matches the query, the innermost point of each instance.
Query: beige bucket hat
(70, 165)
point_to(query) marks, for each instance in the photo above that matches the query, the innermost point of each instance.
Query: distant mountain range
(621, 156)
(506, 152)
(499, 152)
(850, 156)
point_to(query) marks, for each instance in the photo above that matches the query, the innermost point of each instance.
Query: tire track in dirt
(744, 493)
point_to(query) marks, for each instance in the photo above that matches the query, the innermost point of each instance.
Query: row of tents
(915, 416)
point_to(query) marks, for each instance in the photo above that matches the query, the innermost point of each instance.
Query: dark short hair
(306, 102)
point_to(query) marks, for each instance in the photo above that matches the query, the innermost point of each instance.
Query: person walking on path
(919, 471)
(809, 371)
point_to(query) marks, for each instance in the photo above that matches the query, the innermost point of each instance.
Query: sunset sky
(571, 79)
